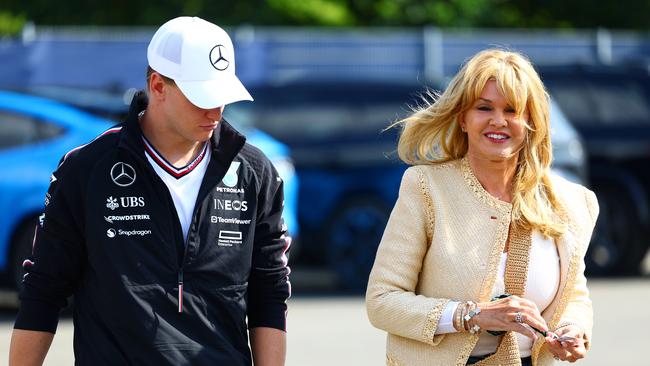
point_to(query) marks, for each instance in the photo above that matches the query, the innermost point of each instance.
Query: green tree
(10, 23)
(444, 13)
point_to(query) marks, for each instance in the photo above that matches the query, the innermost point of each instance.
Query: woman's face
(494, 130)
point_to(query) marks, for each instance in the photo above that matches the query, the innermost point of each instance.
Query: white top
(183, 183)
(541, 287)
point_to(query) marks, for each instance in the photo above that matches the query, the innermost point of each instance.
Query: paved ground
(335, 331)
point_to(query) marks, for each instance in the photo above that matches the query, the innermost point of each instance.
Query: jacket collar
(226, 141)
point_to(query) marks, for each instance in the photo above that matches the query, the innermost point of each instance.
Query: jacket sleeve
(268, 286)
(391, 299)
(579, 308)
(56, 263)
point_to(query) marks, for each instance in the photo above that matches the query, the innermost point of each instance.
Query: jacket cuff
(38, 316)
(431, 323)
(270, 316)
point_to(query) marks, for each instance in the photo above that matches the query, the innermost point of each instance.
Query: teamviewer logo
(229, 238)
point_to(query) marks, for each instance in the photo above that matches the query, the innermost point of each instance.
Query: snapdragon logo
(134, 232)
(110, 233)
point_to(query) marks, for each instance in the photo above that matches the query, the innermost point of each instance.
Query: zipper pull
(180, 291)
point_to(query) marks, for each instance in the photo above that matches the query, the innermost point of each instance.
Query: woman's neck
(496, 176)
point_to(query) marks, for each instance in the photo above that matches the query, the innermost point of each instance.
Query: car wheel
(617, 246)
(21, 249)
(352, 237)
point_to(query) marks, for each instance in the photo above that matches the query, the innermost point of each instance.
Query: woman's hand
(511, 314)
(571, 350)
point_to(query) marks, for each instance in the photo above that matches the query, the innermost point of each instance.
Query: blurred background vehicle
(609, 105)
(346, 160)
(36, 132)
(306, 80)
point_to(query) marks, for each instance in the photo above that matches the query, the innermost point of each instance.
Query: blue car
(35, 132)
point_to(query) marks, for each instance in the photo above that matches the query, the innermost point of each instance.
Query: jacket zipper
(182, 262)
(170, 203)
(180, 290)
(180, 272)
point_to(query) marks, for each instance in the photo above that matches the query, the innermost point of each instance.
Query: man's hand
(28, 347)
(269, 346)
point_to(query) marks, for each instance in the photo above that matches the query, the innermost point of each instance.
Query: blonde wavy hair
(432, 134)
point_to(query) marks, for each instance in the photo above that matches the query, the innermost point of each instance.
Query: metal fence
(116, 57)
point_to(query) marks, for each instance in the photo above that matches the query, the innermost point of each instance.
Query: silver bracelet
(474, 311)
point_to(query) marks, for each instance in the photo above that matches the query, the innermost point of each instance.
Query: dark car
(348, 169)
(347, 163)
(610, 108)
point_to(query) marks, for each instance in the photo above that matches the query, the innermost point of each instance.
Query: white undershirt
(541, 286)
(184, 190)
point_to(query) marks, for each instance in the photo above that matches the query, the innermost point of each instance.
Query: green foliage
(10, 24)
(444, 13)
(322, 12)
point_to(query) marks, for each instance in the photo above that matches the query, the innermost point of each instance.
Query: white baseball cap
(200, 58)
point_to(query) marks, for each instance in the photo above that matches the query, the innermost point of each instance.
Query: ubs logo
(122, 174)
(125, 202)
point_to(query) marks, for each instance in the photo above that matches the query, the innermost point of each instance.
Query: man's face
(186, 120)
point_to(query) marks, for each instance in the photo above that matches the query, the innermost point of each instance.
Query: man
(167, 229)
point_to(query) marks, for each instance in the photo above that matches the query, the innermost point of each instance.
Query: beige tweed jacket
(443, 241)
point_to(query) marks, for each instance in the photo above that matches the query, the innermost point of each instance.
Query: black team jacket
(144, 295)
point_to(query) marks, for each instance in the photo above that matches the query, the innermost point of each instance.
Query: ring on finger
(518, 317)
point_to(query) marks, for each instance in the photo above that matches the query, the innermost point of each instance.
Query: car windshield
(318, 113)
(314, 121)
(602, 101)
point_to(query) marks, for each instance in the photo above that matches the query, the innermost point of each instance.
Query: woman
(484, 243)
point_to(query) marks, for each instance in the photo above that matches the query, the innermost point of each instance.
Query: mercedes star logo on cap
(216, 58)
(123, 174)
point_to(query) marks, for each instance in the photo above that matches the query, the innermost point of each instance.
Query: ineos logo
(230, 205)
(216, 58)
(123, 174)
